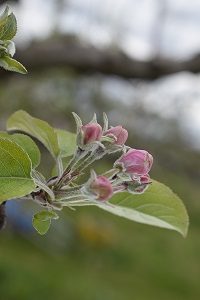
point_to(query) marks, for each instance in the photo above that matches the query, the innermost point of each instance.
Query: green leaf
(11, 64)
(66, 142)
(27, 144)
(41, 130)
(41, 226)
(4, 16)
(15, 170)
(42, 221)
(10, 47)
(158, 206)
(46, 215)
(8, 27)
(3, 49)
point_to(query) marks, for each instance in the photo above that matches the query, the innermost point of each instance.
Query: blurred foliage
(95, 255)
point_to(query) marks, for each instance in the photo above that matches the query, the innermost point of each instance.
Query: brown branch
(68, 52)
(5, 1)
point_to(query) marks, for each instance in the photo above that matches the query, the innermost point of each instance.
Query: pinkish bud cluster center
(130, 171)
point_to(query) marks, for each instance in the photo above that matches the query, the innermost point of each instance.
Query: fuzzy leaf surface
(15, 171)
(42, 221)
(67, 142)
(8, 27)
(11, 64)
(41, 130)
(158, 206)
(27, 144)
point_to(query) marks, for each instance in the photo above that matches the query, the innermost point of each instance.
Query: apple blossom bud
(91, 132)
(135, 162)
(101, 187)
(118, 133)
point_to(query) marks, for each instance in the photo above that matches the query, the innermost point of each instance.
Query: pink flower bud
(136, 162)
(102, 188)
(119, 134)
(91, 132)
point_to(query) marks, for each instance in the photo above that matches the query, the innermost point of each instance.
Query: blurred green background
(89, 254)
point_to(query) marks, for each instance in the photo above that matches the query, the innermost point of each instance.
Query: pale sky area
(131, 23)
(142, 28)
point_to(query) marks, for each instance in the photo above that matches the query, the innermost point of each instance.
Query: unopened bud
(101, 188)
(118, 133)
(135, 162)
(91, 132)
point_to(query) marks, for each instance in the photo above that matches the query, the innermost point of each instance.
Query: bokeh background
(139, 61)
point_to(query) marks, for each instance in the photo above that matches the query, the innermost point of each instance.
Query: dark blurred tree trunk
(159, 25)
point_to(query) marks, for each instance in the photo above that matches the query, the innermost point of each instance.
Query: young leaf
(41, 226)
(10, 47)
(11, 64)
(42, 221)
(41, 130)
(3, 16)
(158, 206)
(27, 144)
(66, 142)
(15, 170)
(8, 27)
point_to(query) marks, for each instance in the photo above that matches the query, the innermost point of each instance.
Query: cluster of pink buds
(129, 172)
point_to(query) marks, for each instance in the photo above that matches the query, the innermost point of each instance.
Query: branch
(68, 52)
(5, 1)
